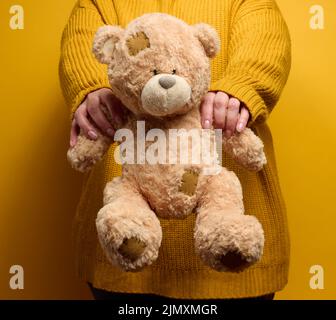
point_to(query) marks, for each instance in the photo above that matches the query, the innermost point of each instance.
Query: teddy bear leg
(225, 238)
(87, 152)
(128, 230)
(246, 149)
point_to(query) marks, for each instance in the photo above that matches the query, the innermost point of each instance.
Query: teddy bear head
(158, 65)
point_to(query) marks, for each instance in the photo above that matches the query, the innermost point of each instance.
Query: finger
(232, 117)
(73, 133)
(114, 107)
(243, 119)
(83, 122)
(207, 110)
(220, 109)
(99, 118)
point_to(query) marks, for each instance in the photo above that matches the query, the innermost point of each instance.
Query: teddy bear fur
(158, 66)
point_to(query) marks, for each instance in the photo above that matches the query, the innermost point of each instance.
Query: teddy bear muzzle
(166, 94)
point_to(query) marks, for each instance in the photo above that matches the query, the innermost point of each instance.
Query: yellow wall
(38, 191)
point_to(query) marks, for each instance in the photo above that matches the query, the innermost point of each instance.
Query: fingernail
(110, 132)
(207, 124)
(228, 133)
(240, 127)
(92, 135)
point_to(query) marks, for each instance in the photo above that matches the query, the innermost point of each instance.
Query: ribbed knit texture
(253, 65)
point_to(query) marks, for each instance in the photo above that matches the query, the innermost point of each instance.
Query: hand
(223, 112)
(90, 114)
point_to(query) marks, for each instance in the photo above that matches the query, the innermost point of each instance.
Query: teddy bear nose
(167, 82)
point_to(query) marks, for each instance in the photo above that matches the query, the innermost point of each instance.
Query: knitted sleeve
(80, 73)
(259, 57)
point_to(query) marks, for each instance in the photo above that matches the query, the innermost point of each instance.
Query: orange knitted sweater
(253, 65)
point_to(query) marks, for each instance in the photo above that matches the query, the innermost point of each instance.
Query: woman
(248, 76)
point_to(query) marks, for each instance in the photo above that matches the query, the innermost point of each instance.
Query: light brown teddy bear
(159, 68)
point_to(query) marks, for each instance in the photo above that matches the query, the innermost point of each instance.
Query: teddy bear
(159, 68)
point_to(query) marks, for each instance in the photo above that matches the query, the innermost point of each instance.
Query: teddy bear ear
(208, 37)
(104, 42)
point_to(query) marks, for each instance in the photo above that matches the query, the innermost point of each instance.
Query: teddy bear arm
(87, 152)
(246, 149)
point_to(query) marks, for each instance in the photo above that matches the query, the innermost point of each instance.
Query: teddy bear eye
(155, 72)
(174, 71)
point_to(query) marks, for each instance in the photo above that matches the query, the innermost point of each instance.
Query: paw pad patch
(131, 248)
(189, 182)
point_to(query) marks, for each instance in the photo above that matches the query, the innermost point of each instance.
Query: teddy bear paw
(232, 244)
(81, 163)
(129, 243)
(132, 248)
(86, 153)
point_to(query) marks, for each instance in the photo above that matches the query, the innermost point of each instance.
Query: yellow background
(38, 190)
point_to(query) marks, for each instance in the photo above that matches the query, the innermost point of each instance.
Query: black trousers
(100, 294)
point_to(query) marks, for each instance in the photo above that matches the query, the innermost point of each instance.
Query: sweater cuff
(238, 88)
